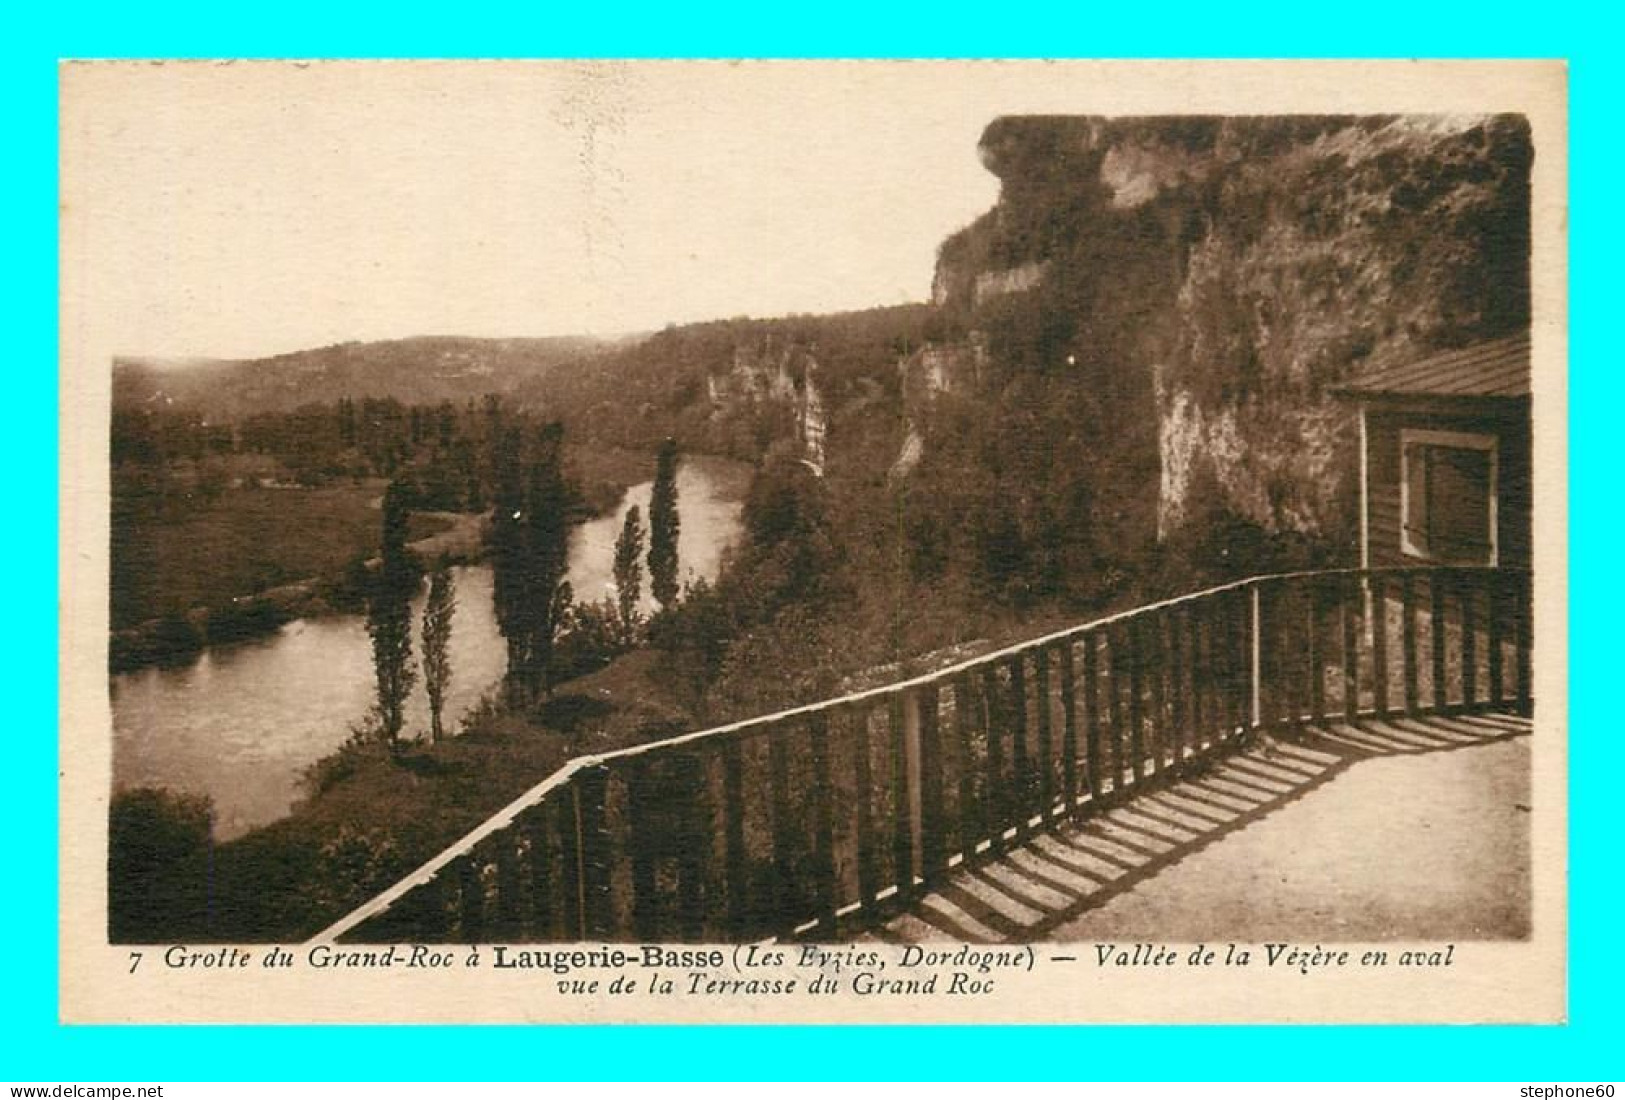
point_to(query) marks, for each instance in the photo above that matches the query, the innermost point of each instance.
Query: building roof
(1496, 368)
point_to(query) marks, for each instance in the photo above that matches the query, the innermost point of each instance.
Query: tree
(530, 551)
(629, 573)
(347, 427)
(389, 616)
(790, 552)
(437, 614)
(446, 422)
(547, 557)
(507, 541)
(663, 526)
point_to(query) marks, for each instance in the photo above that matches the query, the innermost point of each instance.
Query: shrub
(353, 864)
(590, 637)
(154, 836)
(366, 742)
(174, 640)
(245, 619)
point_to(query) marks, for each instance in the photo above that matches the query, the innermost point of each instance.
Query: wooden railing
(819, 819)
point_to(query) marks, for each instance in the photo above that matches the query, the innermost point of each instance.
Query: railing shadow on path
(1063, 873)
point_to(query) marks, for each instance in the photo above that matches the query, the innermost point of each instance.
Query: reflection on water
(243, 722)
(709, 492)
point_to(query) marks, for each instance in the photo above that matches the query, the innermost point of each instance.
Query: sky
(239, 209)
(245, 209)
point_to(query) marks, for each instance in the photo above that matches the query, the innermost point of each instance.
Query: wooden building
(1445, 458)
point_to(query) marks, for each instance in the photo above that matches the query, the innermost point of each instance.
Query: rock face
(774, 377)
(935, 369)
(1214, 276)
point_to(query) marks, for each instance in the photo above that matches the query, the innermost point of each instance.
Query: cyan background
(34, 1047)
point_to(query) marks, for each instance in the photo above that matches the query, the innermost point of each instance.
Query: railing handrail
(452, 852)
(560, 778)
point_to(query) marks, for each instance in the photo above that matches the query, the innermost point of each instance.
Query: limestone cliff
(1212, 277)
(769, 379)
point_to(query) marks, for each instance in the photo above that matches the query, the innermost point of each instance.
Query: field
(605, 473)
(244, 542)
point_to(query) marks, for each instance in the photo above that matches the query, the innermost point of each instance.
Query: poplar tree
(629, 573)
(663, 526)
(547, 556)
(389, 616)
(437, 613)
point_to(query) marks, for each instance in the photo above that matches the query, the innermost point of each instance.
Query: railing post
(539, 918)
(1524, 631)
(1021, 765)
(435, 924)
(933, 850)
(1201, 675)
(903, 810)
(592, 789)
(868, 874)
(1135, 634)
(823, 821)
(696, 848)
(1351, 599)
(970, 815)
(784, 835)
(1316, 651)
(733, 836)
(1257, 650)
(507, 925)
(1437, 635)
(1091, 713)
(1046, 736)
(1276, 627)
(1116, 673)
(572, 887)
(1069, 727)
(1178, 714)
(1492, 616)
(1157, 651)
(995, 815)
(645, 902)
(914, 777)
(1408, 599)
(471, 900)
(1467, 587)
(1377, 612)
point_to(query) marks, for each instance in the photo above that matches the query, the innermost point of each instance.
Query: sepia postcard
(802, 542)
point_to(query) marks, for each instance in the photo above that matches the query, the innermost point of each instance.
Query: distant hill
(417, 370)
(724, 387)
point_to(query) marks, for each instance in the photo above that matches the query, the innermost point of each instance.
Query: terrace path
(1402, 828)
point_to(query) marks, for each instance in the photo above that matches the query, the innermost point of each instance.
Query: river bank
(256, 559)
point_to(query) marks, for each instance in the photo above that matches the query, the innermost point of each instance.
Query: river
(243, 722)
